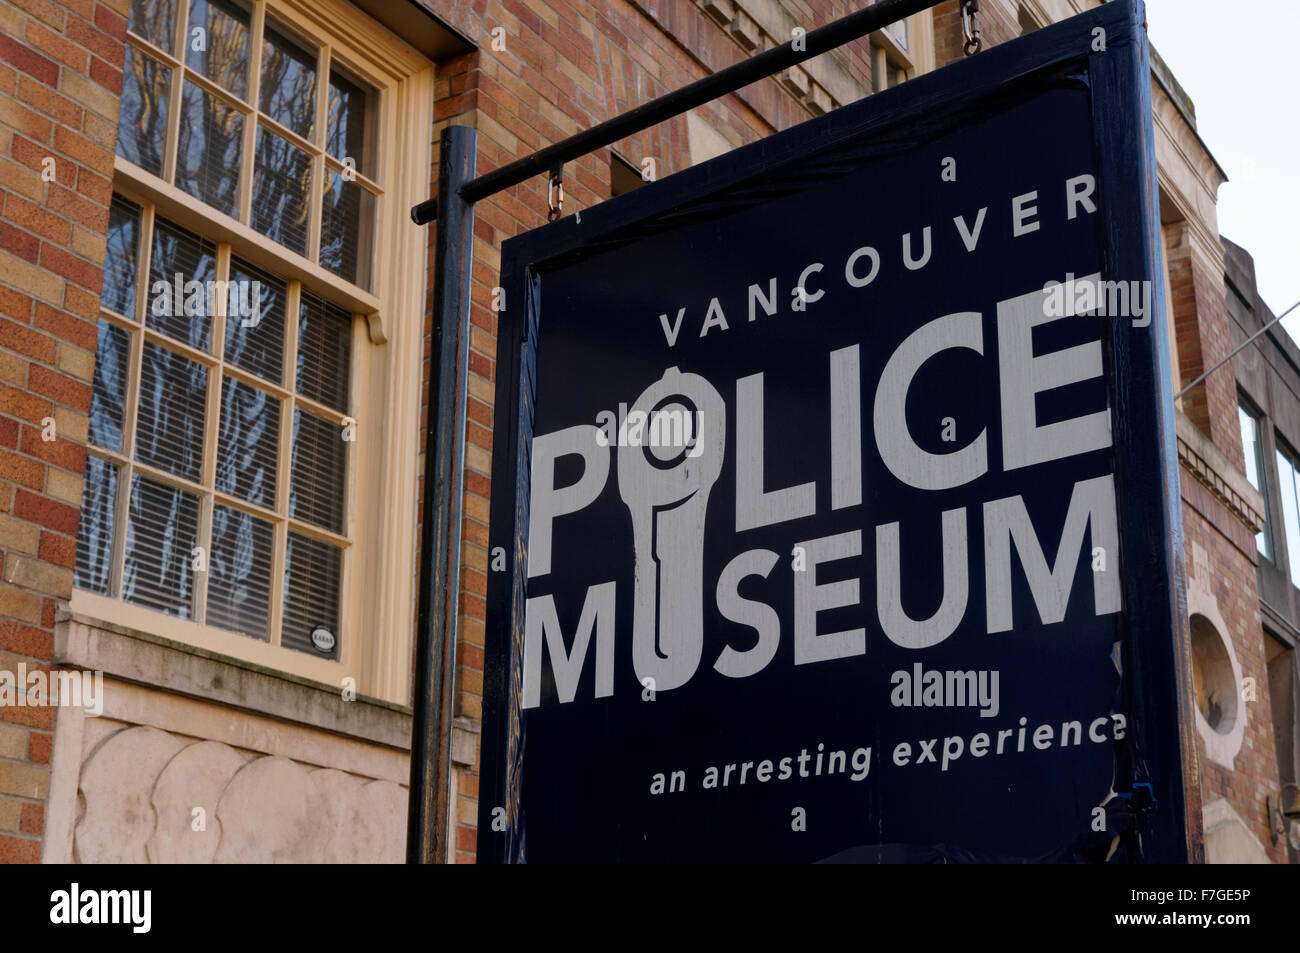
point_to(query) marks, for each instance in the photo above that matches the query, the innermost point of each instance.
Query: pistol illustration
(665, 485)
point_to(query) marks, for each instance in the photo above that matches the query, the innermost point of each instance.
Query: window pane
(255, 322)
(346, 233)
(223, 56)
(207, 159)
(95, 537)
(324, 352)
(173, 392)
(182, 296)
(311, 594)
(123, 241)
(161, 533)
(350, 105)
(239, 573)
(1290, 515)
(142, 123)
(1249, 444)
(1253, 451)
(247, 443)
(899, 31)
(316, 494)
(108, 393)
(281, 191)
(155, 21)
(288, 84)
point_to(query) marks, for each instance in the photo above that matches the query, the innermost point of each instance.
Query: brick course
(49, 288)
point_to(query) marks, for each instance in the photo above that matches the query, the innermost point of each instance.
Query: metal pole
(844, 30)
(444, 454)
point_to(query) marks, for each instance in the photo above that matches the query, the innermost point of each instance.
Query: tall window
(1289, 490)
(221, 468)
(241, 112)
(1253, 448)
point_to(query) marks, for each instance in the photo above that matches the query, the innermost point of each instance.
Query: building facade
(1267, 373)
(215, 336)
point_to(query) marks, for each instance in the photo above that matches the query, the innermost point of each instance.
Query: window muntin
(1253, 449)
(218, 448)
(282, 141)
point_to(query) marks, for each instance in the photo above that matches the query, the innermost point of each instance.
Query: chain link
(555, 194)
(970, 27)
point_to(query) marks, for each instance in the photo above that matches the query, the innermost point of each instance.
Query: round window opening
(1216, 689)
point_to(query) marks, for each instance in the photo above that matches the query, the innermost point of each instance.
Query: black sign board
(832, 507)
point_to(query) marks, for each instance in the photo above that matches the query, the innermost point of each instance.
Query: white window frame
(1283, 454)
(1246, 408)
(377, 588)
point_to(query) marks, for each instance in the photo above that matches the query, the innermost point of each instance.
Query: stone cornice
(1199, 457)
(820, 84)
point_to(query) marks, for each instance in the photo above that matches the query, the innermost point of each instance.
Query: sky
(1236, 61)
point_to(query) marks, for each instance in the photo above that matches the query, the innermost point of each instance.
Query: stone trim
(156, 662)
(1203, 460)
(151, 660)
(1221, 747)
(820, 84)
(1228, 838)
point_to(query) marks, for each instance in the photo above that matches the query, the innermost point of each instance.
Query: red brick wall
(1201, 327)
(1231, 570)
(60, 80)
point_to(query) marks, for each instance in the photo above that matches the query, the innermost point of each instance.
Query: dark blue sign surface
(824, 501)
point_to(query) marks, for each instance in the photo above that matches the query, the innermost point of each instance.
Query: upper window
(1289, 489)
(900, 51)
(244, 114)
(1253, 448)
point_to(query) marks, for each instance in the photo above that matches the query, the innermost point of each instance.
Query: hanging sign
(832, 515)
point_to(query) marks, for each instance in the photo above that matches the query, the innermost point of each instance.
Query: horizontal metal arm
(844, 30)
